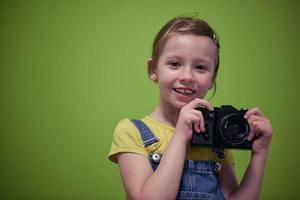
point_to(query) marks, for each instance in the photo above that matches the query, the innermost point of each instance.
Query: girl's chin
(179, 105)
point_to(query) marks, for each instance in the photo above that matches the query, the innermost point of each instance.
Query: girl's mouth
(184, 91)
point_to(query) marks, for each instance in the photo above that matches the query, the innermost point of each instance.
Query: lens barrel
(234, 129)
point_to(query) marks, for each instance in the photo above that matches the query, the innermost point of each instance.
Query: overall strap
(220, 152)
(147, 136)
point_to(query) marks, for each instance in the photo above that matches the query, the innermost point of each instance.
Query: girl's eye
(174, 64)
(200, 67)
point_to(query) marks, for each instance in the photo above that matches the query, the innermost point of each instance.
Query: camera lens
(234, 129)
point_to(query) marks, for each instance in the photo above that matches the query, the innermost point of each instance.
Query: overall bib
(199, 180)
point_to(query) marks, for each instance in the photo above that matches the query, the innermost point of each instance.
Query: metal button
(155, 157)
(217, 166)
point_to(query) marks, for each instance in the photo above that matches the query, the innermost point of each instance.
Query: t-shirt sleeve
(126, 138)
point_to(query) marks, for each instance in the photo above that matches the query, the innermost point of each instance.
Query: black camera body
(225, 127)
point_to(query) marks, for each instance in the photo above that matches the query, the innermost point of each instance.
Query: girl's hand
(189, 117)
(260, 131)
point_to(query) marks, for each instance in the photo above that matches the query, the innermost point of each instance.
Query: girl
(154, 155)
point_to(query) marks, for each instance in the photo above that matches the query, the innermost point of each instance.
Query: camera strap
(220, 152)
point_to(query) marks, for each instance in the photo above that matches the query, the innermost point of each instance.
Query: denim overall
(199, 179)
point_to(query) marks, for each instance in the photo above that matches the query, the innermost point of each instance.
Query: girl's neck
(166, 114)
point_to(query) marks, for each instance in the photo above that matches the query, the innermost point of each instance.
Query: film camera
(225, 127)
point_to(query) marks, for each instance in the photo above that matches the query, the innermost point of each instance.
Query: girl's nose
(187, 75)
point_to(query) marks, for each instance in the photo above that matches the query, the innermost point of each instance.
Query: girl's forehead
(190, 44)
(190, 40)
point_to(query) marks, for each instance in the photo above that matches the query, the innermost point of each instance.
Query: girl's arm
(141, 182)
(249, 188)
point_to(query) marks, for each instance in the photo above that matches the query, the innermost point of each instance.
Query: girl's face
(184, 69)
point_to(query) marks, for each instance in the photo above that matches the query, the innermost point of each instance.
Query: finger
(197, 127)
(253, 111)
(251, 135)
(200, 124)
(260, 128)
(253, 131)
(200, 102)
(196, 122)
(252, 118)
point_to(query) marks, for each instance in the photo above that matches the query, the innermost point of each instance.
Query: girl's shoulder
(125, 128)
(126, 138)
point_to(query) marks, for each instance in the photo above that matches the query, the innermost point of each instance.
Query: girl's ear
(151, 70)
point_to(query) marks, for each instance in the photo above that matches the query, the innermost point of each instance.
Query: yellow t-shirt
(128, 139)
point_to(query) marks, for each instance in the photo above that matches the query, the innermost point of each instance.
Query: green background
(70, 70)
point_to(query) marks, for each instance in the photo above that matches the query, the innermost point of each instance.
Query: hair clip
(215, 39)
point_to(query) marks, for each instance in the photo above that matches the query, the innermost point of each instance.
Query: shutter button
(155, 157)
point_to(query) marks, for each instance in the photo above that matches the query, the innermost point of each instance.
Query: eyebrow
(172, 56)
(201, 60)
